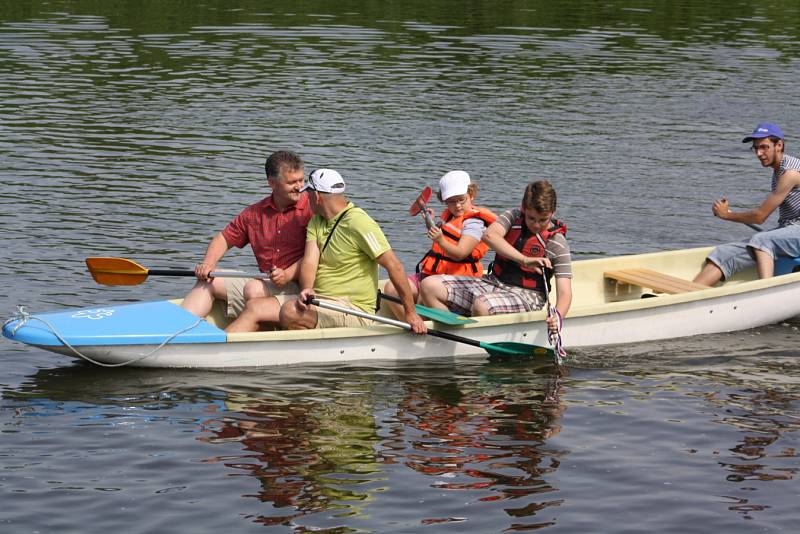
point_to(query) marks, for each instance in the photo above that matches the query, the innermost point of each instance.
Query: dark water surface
(138, 129)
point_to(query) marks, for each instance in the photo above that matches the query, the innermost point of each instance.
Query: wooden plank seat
(658, 282)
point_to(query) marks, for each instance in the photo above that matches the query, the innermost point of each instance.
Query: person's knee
(217, 288)
(424, 292)
(757, 250)
(254, 289)
(431, 287)
(480, 306)
(259, 305)
(389, 289)
(712, 266)
(287, 316)
(284, 314)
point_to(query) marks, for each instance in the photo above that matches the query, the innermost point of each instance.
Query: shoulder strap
(327, 240)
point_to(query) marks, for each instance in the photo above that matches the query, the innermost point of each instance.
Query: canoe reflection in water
(491, 439)
(309, 456)
(421, 444)
(486, 437)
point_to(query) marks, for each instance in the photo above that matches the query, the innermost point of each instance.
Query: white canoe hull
(374, 343)
(603, 313)
(675, 317)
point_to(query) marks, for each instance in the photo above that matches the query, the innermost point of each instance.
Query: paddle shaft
(429, 222)
(215, 274)
(394, 322)
(163, 272)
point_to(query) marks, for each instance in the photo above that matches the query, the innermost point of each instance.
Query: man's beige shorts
(234, 287)
(331, 318)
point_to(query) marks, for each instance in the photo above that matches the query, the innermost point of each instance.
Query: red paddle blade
(421, 202)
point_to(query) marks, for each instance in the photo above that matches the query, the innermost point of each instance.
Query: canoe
(608, 308)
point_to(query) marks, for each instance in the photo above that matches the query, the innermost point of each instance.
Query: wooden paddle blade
(421, 202)
(116, 271)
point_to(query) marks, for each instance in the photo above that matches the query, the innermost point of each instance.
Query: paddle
(123, 272)
(442, 316)
(554, 339)
(502, 349)
(421, 204)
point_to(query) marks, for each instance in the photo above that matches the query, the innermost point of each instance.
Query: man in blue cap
(762, 249)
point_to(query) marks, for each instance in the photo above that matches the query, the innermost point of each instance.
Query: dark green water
(138, 129)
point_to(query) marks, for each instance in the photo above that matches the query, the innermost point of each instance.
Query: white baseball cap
(454, 183)
(325, 181)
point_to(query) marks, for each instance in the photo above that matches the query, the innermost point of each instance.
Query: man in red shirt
(275, 228)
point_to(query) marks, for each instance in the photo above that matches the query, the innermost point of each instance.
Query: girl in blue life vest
(456, 246)
(530, 246)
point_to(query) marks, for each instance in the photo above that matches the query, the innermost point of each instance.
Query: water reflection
(338, 447)
(308, 456)
(753, 398)
(486, 438)
(765, 415)
(489, 438)
(346, 443)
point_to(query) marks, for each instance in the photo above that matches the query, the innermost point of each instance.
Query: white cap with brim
(325, 181)
(454, 183)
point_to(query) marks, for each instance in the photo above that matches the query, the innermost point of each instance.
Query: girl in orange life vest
(457, 248)
(526, 241)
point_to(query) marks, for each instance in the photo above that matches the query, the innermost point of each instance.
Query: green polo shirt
(348, 266)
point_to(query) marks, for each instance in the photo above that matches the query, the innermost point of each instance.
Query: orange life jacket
(532, 245)
(436, 261)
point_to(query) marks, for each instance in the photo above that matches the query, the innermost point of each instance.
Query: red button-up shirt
(278, 238)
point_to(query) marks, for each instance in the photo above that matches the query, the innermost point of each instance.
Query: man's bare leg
(764, 263)
(433, 293)
(292, 317)
(710, 275)
(200, 298)
(257, 312)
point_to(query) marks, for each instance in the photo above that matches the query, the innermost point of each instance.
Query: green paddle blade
(506, 349)
(442, 316)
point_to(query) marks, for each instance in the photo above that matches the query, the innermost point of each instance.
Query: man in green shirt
(344, 248)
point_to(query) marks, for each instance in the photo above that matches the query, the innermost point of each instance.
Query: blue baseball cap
(765, 129)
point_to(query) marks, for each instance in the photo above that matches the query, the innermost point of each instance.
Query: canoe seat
(658, 282)
(784, 265)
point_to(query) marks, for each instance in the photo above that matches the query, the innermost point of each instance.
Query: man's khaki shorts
(330, 318)
(234, 287)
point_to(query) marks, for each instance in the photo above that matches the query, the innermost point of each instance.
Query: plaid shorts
(499, 297)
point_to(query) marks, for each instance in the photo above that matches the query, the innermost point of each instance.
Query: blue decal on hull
(145, 323)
